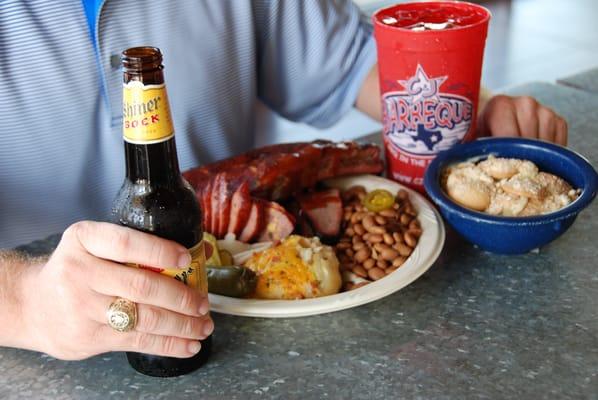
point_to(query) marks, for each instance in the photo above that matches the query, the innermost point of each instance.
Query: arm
(58, 306)
(498, 116)
(15, 270)
(312, 57)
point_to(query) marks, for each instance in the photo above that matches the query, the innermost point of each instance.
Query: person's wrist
(26, 333)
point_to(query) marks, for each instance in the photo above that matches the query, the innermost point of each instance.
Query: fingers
(562, 131)
(527, 116)
(121, 244)
(167, 323)
(147, 343)
(145, 287)
(500, 118)
(547, 124)
(157, 321)
(551, 126)
(523, 116)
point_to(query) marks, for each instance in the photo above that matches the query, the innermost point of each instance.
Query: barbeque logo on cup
(423, 121)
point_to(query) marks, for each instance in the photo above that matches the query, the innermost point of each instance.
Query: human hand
(522, 116)
(67, 298)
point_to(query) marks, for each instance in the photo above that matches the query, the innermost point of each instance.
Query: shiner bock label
(146, 113)
(194, 275)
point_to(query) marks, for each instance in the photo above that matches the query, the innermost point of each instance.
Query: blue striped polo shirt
(61, 149)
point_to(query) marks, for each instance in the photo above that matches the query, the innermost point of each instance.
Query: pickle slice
(378, 200)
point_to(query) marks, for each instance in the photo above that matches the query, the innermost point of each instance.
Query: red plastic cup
(430, 63)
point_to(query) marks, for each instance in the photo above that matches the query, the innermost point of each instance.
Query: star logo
(420, 86)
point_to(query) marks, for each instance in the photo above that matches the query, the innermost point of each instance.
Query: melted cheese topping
(295, 269)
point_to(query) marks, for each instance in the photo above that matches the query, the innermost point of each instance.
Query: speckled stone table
(586, 80)
(475, 325)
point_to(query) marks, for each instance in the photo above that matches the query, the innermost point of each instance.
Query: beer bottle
(154, 197)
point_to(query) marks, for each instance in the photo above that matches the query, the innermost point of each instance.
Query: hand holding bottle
(65, 301)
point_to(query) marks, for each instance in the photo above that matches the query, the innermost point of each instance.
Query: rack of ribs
(239, 195)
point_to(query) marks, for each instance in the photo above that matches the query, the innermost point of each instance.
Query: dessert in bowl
(510, 232)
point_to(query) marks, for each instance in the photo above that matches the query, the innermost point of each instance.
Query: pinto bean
(382, 264)
(402, 195)
(388, 213)
(414, 224)
(368, 221)
(370, 225)
(405, 219)
(389, 254)
(358, 246)
(375, 238)
(360, 271)
(403, 249)
(349, 252)
(359, 229)
(353, 192)
(397, 237)
(349, 232)
(397, 262)
(356, 217)
(416, 232)
(388, 239)
(390, 270)
(374, 254)
(369, 263)
(380, 220)
(410, 240)
(362, 255)
(376, 273)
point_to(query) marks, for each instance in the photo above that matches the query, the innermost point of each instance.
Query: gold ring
(122, 315)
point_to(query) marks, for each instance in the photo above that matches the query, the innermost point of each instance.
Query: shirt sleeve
(313, 56)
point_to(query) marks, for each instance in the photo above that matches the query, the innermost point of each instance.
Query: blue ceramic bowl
(513, 235)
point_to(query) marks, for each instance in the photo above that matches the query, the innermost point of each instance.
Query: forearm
(15, 271)
(368, 99)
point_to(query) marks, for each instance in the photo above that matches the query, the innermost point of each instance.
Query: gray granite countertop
(476, 325)
(586, 80)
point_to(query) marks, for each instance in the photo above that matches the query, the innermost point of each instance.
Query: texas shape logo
(421, 120)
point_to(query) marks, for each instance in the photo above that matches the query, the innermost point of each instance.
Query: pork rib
(278, 171)
(324, 210)
(273, 173)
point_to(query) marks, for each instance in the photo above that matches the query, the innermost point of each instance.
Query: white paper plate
(427, 251)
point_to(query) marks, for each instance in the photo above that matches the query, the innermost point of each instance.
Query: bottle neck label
(146, 113)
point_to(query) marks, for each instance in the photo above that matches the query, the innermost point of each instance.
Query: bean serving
(375, 244)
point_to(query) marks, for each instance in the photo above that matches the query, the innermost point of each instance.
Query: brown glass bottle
(154, 197)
